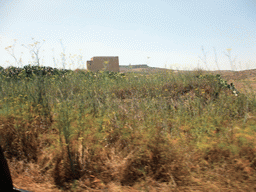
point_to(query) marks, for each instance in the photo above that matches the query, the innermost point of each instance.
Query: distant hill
(134, 66)
(141, 68)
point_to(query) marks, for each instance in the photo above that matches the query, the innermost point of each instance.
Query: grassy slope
(145, 131)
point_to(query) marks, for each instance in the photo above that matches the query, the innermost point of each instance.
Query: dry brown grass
(43, 168)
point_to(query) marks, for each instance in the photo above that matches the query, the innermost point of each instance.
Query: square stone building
(103, 63)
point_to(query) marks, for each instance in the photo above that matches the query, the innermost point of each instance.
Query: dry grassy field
(145, 130)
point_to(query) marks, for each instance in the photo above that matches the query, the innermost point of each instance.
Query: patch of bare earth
(244, 81)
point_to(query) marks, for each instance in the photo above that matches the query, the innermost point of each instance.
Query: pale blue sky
(170, 32)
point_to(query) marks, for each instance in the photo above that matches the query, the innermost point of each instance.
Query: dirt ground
(244, 81)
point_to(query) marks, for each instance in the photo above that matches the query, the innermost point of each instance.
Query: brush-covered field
(164, 131)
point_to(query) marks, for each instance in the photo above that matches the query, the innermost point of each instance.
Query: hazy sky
(170, 32)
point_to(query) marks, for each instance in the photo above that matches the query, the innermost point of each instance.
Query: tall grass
(181, 129)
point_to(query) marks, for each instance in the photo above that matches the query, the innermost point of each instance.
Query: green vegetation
(123, 128)
(166, 131)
